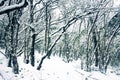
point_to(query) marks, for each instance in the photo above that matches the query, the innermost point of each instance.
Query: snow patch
(52, 69)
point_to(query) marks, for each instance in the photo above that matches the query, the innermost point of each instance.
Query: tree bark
(15, 65)
(32, 55)
(32, 50)
(40, 65)
(95, 47)
(14, 28)
(47, 29)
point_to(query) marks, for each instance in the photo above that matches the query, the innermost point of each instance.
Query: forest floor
(52, 69)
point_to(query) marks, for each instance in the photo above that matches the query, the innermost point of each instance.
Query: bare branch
(36, 4)
(74, 19)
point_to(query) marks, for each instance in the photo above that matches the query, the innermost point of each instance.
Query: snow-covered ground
(52, 69)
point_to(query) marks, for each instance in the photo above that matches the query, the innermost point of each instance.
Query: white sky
(116, 3)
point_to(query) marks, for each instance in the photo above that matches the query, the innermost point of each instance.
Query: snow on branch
(71, 21)
(13, 7)
(64, 28)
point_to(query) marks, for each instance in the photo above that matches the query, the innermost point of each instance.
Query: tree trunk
(41, 62)
(10, 60)
(95, 47)
(32, 50)
(26, 56)
(15, 65)
(14, 28)
(40, 65)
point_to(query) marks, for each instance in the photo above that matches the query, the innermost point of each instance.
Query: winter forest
(59, 39)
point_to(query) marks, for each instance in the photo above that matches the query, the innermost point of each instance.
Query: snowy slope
(52, 69)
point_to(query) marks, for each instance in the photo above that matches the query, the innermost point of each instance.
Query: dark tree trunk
(32, 50)
(26, 57)
(13, 42)
(41, 62)
(107, 63)
(27, 46)
(66, 48)
(15, 65)
(47, 29)
(95, 47)
(10, 60)
(40, 65)
(87, 61)
(60, 50)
